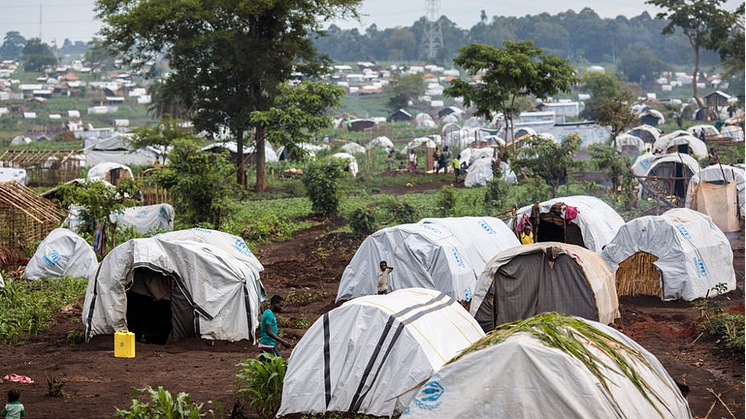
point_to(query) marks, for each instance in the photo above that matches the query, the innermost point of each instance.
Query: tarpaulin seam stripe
(327, 356)
(372, 361)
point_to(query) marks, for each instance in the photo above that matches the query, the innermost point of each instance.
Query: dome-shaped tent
(732, 131)
(685, 144)
(708, 130)
(369, 354)
(591, 224)
(350, 162)
(669, 174)
(522, 371)
(645, 133)
(479, 172)
(720, 192)
(523, 281)
(110, 172)
(626, 143)
(446, 254)
(353, 148)
(146, 219)
(167, 290)
(678, 255)
(384, 142)
(233, 245)
(62, 253)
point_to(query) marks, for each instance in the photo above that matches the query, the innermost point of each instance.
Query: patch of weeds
(75, 336)
(304, 298)
(165, 404)
(726, 327)
(302, 323)
(55, 386)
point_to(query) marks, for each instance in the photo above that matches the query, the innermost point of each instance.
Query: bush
(446, 200)
(261, 383)
(402, 212)
(163, 404)
(496, 190)
(320, 180)
(362, 222)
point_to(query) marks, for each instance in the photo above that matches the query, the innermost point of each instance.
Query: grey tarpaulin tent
(62, 253)
(146, 219)
(527, 280)
(166, 290)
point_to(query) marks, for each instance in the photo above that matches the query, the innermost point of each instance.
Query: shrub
(163, 404)
(496, 190)
(402, 212)
(362, 221)
(320, 180)
(446, 200)
(261, 383)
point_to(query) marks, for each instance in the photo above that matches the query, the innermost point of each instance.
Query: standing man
(443, 161)
(268, 330)
(383, 278)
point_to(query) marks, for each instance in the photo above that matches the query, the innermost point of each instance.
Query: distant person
(383, 278)
(712, 157)
(702, 135)
(455, 164)
(14, 409)
(443, 160)
(268, 330)
(412, 161)
(436, 158)
(389, 163)
(402, 166)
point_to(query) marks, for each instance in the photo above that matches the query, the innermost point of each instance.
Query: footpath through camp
(307, 270)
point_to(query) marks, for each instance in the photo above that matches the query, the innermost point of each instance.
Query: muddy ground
(307, 270)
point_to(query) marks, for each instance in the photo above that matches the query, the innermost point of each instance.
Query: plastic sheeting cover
(146, 219)
(521, 377)
(351, 162)
(369, 354)
(693, 254)
(479, 172)
(62, 253)
(100, 170)
(446, 254)
(716, 174)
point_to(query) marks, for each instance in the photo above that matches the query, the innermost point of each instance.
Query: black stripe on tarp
(93, 304)
(398, 332)
(327, 364)
(372, 361)
(247, 302)
(416, 306)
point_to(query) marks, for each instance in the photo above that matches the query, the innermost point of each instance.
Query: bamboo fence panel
(637, 275)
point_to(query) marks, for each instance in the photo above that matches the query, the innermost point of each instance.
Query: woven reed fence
(637, 275)
(25, 217)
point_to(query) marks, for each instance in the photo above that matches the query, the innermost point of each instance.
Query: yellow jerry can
(124, 344)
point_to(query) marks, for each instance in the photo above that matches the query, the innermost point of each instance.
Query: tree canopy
(403, 89)
(37, 55)
(13, 44)
(543, 157)
(518, 69)
(227, 58)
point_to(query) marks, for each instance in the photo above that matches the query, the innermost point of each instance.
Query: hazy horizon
(76, 19)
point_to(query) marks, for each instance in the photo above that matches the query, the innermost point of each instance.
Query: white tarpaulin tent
(353, 148)
(145, 219)
(732, 131)
(521, 376)
(233, 245)
(479, 172)
(646, 133)
(666, 166)
(116, 149)
(523, 281)
(209, 293)
(598, 222)
(693, 254)
(446, 254)
(694, 146)
(11, 174)
(380, 142)
(368, 355)
(642, 163)
(62, 253)
(718, 175)
(469, 155)
(709, 130)
(101, 170)
(629, 143)
(351, 162)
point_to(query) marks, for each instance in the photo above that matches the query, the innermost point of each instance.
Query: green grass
(28, 307)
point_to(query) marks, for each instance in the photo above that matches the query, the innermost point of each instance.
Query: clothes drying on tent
(445, 254)
(669, 174)
(531, 279)
(145, 219)
(720, 192)
(678, 255)
(591, 222)
(166, 290)
(62, 253)
(368, 355)
(517, 373)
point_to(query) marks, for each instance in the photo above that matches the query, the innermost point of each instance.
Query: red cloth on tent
(570, 213)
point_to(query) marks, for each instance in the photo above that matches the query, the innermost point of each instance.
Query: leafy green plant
(726, 327)
(260, 383)
(495, 193)
(54, 387)
(446, 200)
(362, 221)
(320, 180)
(163, 404)
(401, 212)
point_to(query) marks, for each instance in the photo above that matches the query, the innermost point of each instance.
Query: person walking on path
(268, 331)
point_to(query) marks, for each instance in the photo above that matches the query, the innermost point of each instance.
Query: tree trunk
(696, 76)
(240, 174)
(261, 163)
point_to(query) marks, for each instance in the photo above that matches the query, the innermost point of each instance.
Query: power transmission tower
(432, 37)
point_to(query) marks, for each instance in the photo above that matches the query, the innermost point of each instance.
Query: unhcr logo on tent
(431, 228)
(51, 258)
(142, 214)
(429, 395)
(241, 246)
(163, 214)
(486, 227)
(684, 232)
(699, 266)
(202, 230)
(457, 256)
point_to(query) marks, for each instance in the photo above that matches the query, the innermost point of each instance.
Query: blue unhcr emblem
(163, 213)
(428, 397)
(51, 258)
(684, 232)
(457, 256)
(142, 214)
(431, 228)
(468, 293)
(486, 227)
(241, 246)
(202, 230)
(699, 266)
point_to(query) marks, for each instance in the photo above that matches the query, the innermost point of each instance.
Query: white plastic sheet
(693, 254)
(62, 253)
(479, 172)
(146, 219)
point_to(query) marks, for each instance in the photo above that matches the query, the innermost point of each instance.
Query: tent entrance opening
(157, 311)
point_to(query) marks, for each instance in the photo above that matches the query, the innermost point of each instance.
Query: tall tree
(601, 86)
(638, 62)
(703, 22)
(13, 44)
(37, 55)
(227, 57)
(518, 69)
(405, 88)
(543, 157)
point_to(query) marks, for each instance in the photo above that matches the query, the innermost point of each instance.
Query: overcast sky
(75, 19)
